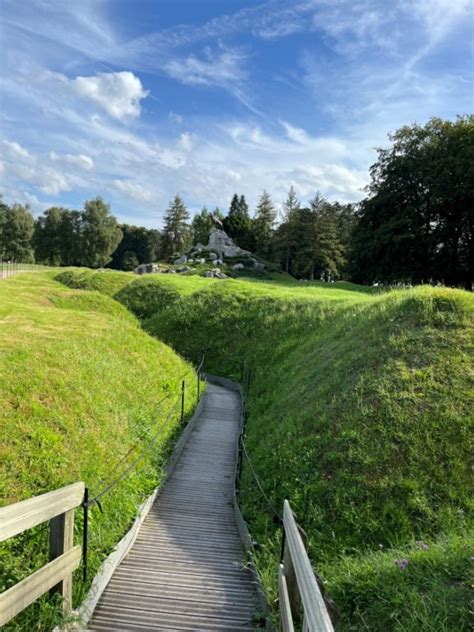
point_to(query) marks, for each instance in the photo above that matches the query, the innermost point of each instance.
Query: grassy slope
(359, 414)
(81, 385)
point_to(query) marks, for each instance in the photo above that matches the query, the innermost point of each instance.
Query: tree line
(414, 225)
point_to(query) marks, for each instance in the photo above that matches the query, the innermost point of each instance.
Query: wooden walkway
(185, 570)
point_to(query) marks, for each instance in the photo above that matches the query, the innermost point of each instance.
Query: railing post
(61, 533)
(85, 533)
(183, 386)
(198, 386)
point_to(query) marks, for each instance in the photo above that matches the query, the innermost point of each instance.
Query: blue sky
(137, 100)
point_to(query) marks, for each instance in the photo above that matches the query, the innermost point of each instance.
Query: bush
(146, 296)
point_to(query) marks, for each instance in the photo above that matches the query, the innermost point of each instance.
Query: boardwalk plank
(186, 568)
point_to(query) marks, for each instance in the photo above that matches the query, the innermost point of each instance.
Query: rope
(114, 482)
(257, 481)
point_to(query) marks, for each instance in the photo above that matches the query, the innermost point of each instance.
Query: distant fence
(10, 268)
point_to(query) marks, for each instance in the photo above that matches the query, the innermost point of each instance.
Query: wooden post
(61, 535)
(183, 386)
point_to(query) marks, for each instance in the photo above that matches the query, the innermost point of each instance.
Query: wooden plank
(19, 517)
(61, 536)
(316, 615)
(186, 570)
(18, 597)
(286, 620)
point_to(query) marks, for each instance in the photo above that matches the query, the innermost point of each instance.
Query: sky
(138, 100)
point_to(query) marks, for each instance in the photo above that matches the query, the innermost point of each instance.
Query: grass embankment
(359, 413)
(83, 390)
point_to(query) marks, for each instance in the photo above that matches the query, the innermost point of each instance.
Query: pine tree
(201, 227)
(176, 230)
(285, 239)
(237, 224)
(263, 224)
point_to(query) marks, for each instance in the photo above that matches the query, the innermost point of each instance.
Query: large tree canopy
(417, 223)
(16, 232)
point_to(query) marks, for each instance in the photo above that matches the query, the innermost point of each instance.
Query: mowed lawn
(360, 412)
(83, 391)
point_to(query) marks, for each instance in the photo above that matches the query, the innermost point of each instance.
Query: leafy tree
(129, 261)
(48, 236)
(417, 222)
(263, 224)
(176, 231)
(285, 239)
(16, 232)
(328, 248)
(100, 234)
(201, 227)
(238, 224)
(70, 238)
(141, 242)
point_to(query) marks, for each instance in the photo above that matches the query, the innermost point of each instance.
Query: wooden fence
(298, 587)
(57, 507)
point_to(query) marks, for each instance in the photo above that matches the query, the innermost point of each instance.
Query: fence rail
(58, 507)
(298, 587)
(11, 268)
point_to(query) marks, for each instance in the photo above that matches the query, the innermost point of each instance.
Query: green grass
(83, 390)
(359, 413)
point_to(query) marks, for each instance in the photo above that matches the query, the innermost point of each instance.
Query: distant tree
(285, 239)
(100, 234)
(129, 261)
(141, 242)
(328, 249)
(16, 232)
(70, 238)
(417, 223)
(263, 225)
(48, 236)
(176, 232)
(201, 227)
(238, 224)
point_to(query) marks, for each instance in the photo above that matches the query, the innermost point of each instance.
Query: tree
(328, 249)
(48, 236)
(238, 224)
(100, 234)
(263, 224)
(417, 222)
(142, 243)
(16, 232)
(201, 227)
(285, 239)
(176, 231)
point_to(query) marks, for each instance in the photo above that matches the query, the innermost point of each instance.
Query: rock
(238, 266)
(217, 262)
(182, 259)
(190, 260)
(209, 274)
(258, 267)
(212, 255)
(220, 242)
(220, 275)
(171, 271)
(201, 260)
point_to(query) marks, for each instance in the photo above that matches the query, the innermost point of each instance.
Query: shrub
(146, 296)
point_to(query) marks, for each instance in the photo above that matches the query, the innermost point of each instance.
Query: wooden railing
(57, 507)
(298, 588)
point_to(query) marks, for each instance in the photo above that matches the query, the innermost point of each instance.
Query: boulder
(258, 267)
(182, 259)
(238, 266)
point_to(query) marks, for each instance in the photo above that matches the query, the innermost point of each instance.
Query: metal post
(85, 533)
(182, 401)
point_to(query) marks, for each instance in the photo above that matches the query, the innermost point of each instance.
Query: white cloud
(13, 150)
(79, 160)
(132, 190)
(214, 69)
(175, 118)
(118, 93)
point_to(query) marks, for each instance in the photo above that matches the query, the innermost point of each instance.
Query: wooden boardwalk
(185, 570)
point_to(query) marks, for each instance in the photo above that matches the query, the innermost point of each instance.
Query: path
(185, 570)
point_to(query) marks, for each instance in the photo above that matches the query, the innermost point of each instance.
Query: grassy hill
(83, 389)
(359, 413)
